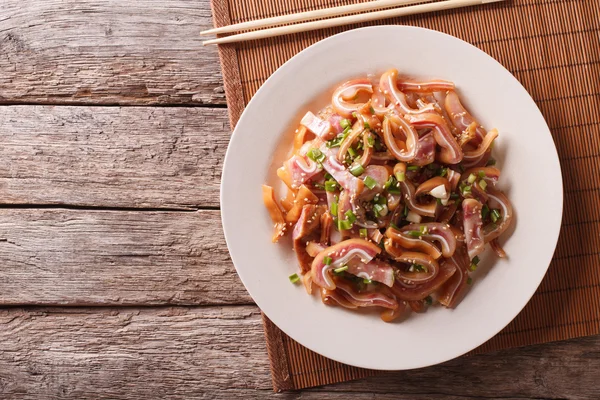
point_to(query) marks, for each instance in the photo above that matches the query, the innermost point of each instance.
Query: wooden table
(115, 279)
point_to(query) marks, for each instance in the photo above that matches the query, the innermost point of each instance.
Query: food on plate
(390, 196)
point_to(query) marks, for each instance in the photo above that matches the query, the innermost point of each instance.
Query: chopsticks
(329, 23)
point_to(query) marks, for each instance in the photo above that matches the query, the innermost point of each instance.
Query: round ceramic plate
(531, 178)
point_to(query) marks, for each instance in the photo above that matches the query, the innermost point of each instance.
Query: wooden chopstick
(308, 15)
(347, 20)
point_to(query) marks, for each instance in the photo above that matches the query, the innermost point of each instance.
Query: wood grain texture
(79, 257)
(219, 353)
(112, 156)
(107, 52)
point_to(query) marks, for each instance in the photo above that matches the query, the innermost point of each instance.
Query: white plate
(531, 177)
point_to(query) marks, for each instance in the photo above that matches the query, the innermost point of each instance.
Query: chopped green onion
(363, 232)
(379, 199)
(439, 201)
(328, 176)
(334, 207)
(335, 142)
(466, 190)
(481, 174)
(405, 213)
(485, 211)
(380, 210)
(393, 225)
(482, 184)
(400, 176)
(370, 182)
(340, 269)
(428, 300)
(472, 267)
(443, 172)
(367, 126)
(354, 115)
(413, 168)
(345, 123)
(394, 189)
(469, 281)
(388, 183)
(367, 281)
(414, 234)
(357, 170)
(327, 260)
(294, 278)
(372, 110)
(491, 162)
(316, 155)
(370, 141)
(352, 152)
(475, 260)
(471, 178)
(344, 225)
(495, 215)
(424, 230)
(419, 268)
(331, 186)
(351, 216)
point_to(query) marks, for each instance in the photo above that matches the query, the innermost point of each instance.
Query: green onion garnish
(443, 172)
(345, 123)
(475, 260)
(414, 234)
(344, 225)
(372, 110)
(367, 281)
(482, 184)
(393, 225)
(340, 269)
(327, 260)
(413, 168)
(335, 142)
(495, 215)
(472, 267)
(405, 213)
(351, 216)
(466, 190)
(380, 210)
(469, 281)
(439, 201)
(388, 183)
(330, 186)
(357, 170)
(400, 176)
(370, 182)
(370, 141)
(367, 126)
(491, 162)
(481, 174)
(380, 200)
(334, 207)
(294, 278)
(316, 155)
(352, 152)
(363, 232)
(471, 178)
(428, 300)
(485, 211)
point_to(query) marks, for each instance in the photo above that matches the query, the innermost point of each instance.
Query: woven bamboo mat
(553, 48)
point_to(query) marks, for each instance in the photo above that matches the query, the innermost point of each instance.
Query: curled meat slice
(474, 156)
(306, 230)
(454, 289)
(317, 126)
(340, 255)
(340, 173)
(493, 230)
(408, 241)
(300, 170)
(435, 232)
(275, 212)
(425, 150)
(497, 248)
(430, 266)
(419, 292)
(389, 87)
(451, 152)
(349, 91)
(408, 191)
(392, 126)
(365, 299)
(336, 298)
(390, 315)
(472, 226)
(460, 117)
(303, 197)
(375, 270)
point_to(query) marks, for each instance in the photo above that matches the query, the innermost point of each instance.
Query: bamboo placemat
(553, 48)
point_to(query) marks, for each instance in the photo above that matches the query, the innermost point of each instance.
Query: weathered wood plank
(80, 257)
(219, 353)
(112, 156)
(107, 52)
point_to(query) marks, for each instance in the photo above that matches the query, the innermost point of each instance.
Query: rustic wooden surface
(115, 280)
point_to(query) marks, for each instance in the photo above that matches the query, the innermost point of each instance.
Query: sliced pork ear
(452, 292)
(307, 230)
(473, 226)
